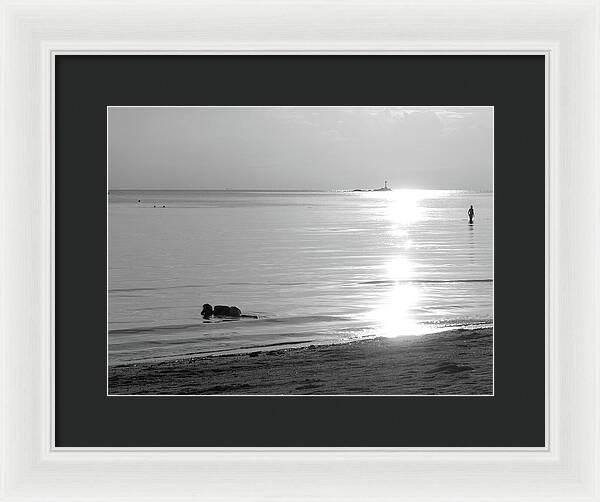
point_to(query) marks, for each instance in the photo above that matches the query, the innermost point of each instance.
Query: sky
(300, 148)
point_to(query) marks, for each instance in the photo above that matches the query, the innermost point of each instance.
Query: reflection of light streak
(404, 210)
(401, 208)
(398, 232)
(399, 269)
(393, 318)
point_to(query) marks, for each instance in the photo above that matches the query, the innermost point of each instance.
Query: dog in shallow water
(225, 311)
(222, 311)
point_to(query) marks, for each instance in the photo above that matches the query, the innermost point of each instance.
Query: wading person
(471, 213)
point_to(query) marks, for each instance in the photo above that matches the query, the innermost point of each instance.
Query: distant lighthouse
(385, 188)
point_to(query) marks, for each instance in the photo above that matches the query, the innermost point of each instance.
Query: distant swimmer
(471, 213)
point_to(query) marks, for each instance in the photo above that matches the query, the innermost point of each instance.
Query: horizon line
(286, 189)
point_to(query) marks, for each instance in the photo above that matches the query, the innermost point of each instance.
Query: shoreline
(289, 345)
(457, 362)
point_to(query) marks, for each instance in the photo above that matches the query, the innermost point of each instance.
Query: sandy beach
(452, 362)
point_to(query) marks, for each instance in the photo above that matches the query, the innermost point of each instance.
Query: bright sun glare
(401, 209)
(393, 317)
(399, 269)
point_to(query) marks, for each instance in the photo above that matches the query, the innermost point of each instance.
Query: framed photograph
(271, 252)
(344, 291)
(282, 279)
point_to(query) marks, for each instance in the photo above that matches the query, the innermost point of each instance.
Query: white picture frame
(567, 33)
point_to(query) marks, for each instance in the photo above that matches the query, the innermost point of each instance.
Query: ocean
(314, 267)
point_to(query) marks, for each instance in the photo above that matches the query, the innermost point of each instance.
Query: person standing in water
(471, 213)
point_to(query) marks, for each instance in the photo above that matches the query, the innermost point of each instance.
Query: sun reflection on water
(401, 209)
(399, 269)
(393, 318)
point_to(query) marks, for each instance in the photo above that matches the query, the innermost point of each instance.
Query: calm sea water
(316, 267)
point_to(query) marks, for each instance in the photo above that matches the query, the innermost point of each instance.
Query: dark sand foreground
(455, 362)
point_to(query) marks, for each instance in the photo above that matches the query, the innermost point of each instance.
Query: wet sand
(454, 362)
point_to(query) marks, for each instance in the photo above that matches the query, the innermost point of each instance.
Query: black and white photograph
(300, 251)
